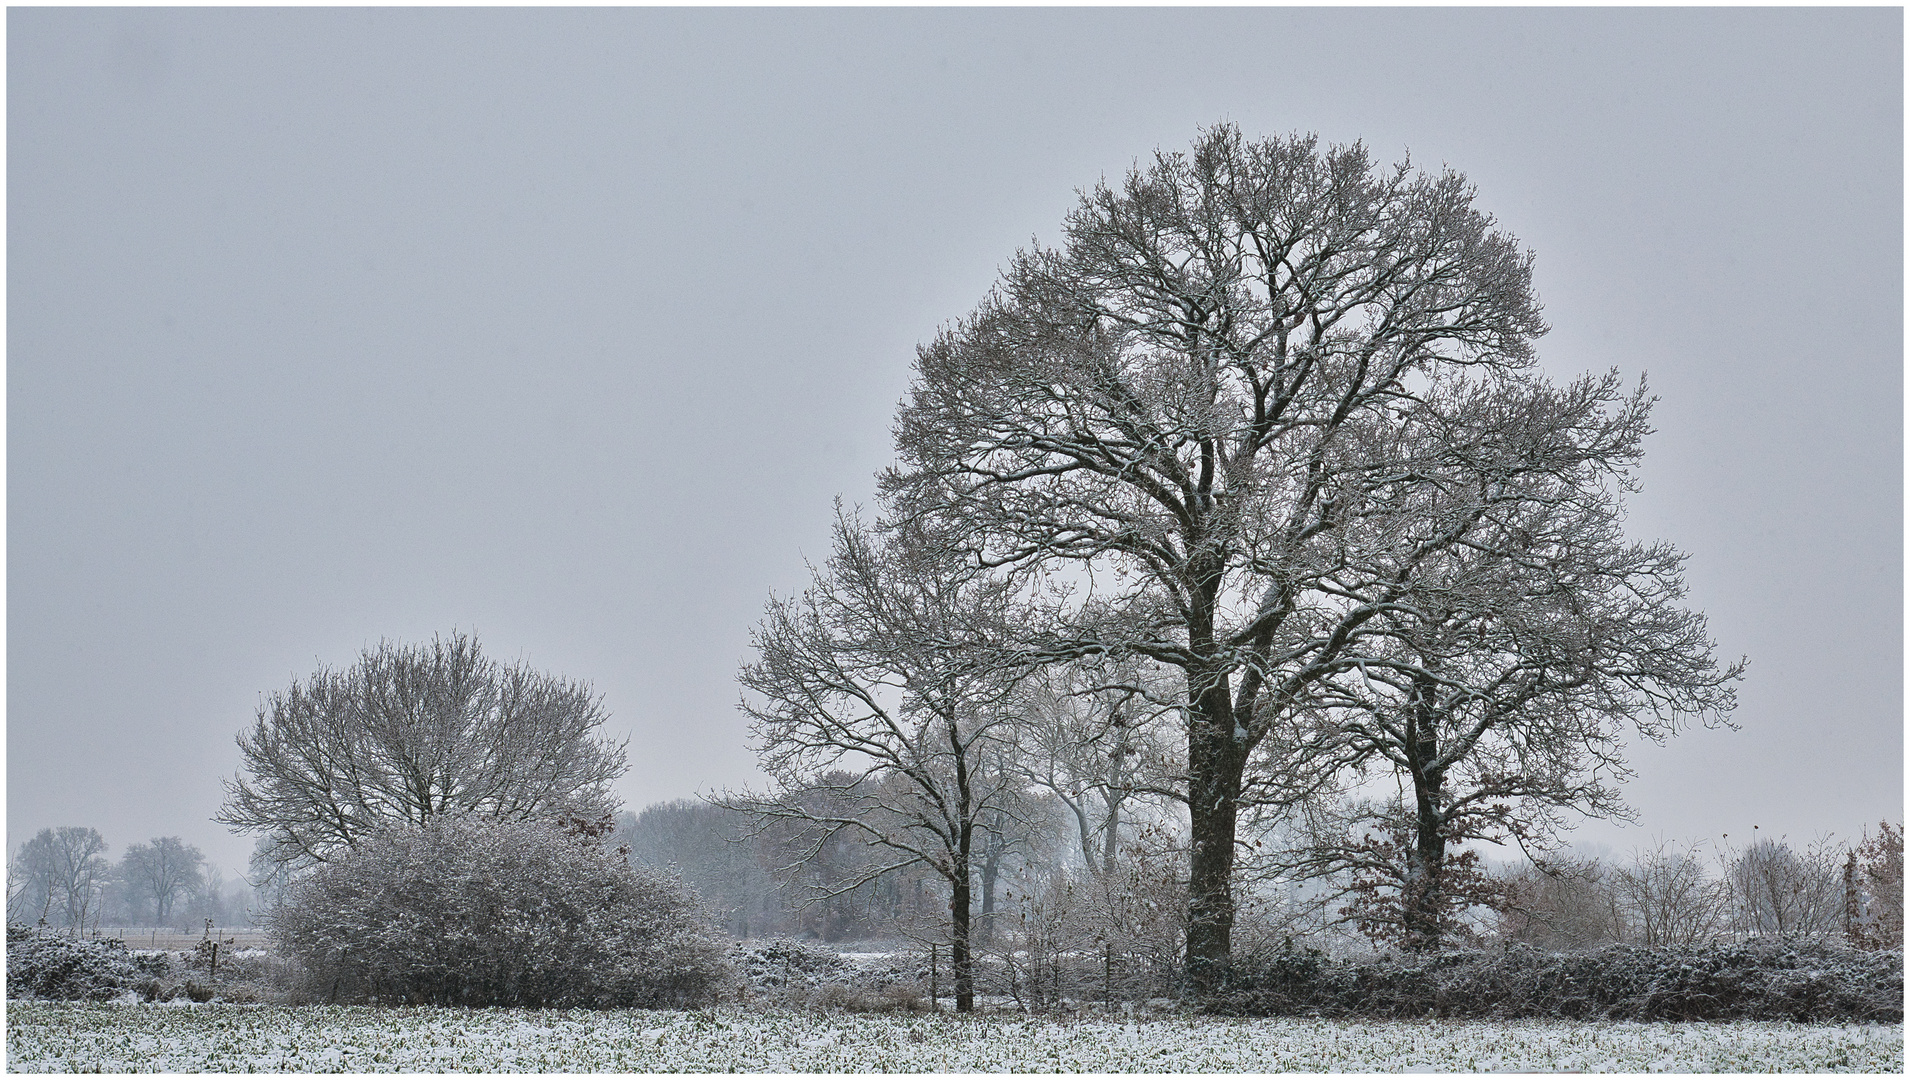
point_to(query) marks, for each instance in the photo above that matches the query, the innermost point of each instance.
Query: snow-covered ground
(59, 1037)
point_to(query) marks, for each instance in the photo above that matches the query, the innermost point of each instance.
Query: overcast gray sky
(326, 326)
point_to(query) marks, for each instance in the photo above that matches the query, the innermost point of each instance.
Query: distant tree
(226, 903)
(835, 883)
(1566, 904)
(63, 872)
(487, 912)
(410, 734)
(878, 703)
(161, 871)
(1093, 739)
(1778, 891)
(30, 888)
(267, 874)
(712, 849)
(1667, 896)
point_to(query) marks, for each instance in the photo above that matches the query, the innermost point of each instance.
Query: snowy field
(50, 1037)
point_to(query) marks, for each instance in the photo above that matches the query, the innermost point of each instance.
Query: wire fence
(173, 939)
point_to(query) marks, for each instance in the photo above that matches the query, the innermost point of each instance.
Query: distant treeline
(64, 877)
(1036, 892)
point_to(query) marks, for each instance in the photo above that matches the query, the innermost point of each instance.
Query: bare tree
(30, 884)
(879, 697)
(1156, 402)
(162, 871)
(1567, 903)
(1778, 891)
(410, 734)
(1092, 738)
(1668, 897)
(1517, 636)
(62, 872)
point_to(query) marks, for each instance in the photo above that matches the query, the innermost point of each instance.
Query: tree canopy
(1232, 398)
(413, 733)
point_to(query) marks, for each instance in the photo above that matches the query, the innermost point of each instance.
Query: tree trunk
(1215, 758)
(1089, 854)
(958, 905)
(1115, 793)
(1853, 904)
(1420, 897)
(991, 870)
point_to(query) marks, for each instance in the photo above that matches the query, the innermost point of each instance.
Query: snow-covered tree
(1154, 401)
(880, 705)
(1509, 638)
(410, 734)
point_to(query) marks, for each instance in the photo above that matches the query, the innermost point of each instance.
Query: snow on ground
(62, 1037)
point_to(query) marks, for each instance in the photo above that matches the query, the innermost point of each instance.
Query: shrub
(794, 974)
(497, 913)
(46, 964)
(1757, 980)
(781, 963)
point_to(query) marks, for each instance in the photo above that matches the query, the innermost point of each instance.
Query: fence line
(173, 938)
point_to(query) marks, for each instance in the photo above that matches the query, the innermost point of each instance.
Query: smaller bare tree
(881, 696)
(1778, 891)
(1667, 896)
(1510, 639)
(1565, 903)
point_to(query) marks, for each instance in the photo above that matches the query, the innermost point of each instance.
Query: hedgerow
(1753, 980)
(48, 964)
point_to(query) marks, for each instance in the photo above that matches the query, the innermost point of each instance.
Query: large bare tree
(1508, 661)
(412, 733)
(1157, 401)
(878, 701)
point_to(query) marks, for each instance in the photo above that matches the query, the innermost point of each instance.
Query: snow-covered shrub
(47, 964)
(781, 971)
(1758, 980)
(781, 963)
(497, 913)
